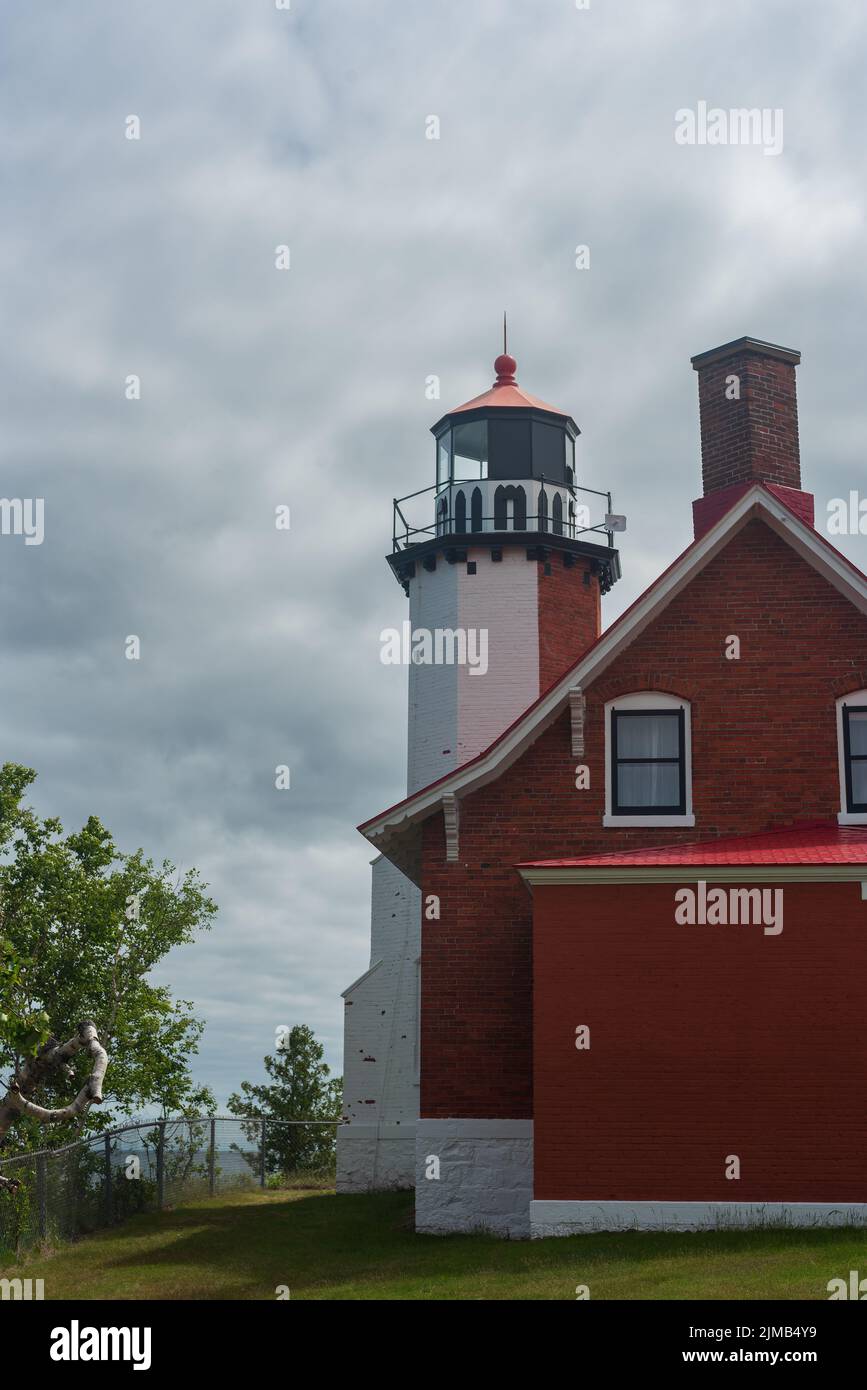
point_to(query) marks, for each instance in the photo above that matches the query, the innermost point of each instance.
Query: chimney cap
(754, 346)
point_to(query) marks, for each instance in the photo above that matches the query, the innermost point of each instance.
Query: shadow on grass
(363, 1246)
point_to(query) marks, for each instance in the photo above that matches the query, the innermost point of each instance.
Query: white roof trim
(802, 538)
(695, 873)
(361, 979)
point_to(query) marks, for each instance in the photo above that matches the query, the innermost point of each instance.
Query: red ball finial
(505, 367)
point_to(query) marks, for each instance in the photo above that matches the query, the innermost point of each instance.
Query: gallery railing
(434, 512)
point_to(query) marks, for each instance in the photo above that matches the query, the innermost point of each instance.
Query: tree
(82, 925)
(302, 1089)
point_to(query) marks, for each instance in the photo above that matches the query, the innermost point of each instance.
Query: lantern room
(504, 474)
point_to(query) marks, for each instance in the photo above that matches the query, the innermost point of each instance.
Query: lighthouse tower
(504, 559)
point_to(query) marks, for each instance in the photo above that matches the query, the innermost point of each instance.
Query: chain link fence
(100, 1181)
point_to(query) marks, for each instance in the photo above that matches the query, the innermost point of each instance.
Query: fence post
(161, 1166)
(109, 1204)
(212, 1166)
(262, 1157)
(42, 1195)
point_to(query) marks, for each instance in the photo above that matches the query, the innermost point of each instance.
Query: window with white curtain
(852, 752)
(855, 742)
(648, 760)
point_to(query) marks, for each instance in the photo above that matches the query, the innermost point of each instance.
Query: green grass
(242, 1246)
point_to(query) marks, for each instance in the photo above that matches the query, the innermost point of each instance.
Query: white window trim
(845, 817)
(649, 699)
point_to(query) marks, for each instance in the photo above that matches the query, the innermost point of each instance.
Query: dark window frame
(444, 438)
(670, 810)
(852, 806)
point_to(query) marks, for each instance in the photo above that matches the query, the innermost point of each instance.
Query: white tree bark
(53, 1057)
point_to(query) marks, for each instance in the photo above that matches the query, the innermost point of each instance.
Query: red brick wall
(570, 615)
(705, 1041)
(764, 754)
(756, 435)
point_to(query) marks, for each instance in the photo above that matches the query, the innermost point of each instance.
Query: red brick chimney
(749, 427)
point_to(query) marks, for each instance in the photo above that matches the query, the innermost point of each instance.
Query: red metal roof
(506, 392)
(818, 842)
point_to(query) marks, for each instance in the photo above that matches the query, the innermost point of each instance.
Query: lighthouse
(504, 558)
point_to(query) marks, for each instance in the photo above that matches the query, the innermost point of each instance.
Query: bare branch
(54, 1057)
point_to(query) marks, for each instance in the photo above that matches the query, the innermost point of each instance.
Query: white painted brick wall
(432, 734)
(504, 599)
(380, 1044)
(454, 715)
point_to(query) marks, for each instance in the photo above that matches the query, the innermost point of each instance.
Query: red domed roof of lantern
(506, 392)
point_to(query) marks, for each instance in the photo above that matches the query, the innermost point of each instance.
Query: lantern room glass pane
(470, 450)
(509, 448)
(548, 453)
(444, 458)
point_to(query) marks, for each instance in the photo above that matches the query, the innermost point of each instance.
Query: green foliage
(301, 1088)
(83, 925)
(23, 1031)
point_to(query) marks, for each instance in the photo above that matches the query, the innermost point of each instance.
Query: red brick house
(643, 939)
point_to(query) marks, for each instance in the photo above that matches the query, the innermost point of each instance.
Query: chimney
(749, 427)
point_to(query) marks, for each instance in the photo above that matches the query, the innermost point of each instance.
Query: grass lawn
(242, 1246)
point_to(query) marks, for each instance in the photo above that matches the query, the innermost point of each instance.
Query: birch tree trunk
(53, 1058)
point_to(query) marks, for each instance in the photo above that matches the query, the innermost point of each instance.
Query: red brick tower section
(570, 615)
(748, 409)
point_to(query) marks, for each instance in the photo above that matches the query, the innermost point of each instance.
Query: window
(444, 458)
(648, 760)
(543, 510)
(855, 745)
(476, 509)
(852, 745)
(558, 514)
(460, 512)
(470, 451)
(548, 453)
(508, 447)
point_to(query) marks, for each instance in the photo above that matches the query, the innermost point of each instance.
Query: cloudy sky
(306, 127)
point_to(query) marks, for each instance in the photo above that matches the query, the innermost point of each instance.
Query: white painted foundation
(550, 1218)
(485, 1177)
